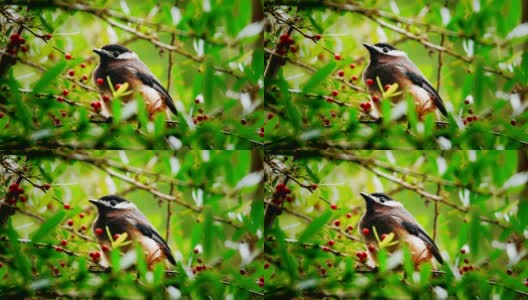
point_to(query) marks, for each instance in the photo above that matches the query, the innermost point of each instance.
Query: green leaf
(21, 261)
(208, 237)
(48, 226)
(315, 226)
(49, 77)
(318, 77)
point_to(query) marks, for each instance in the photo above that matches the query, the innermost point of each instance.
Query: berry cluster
(282, 193)
(16, 192)
(16, 42)
(199, 267)
(96, 106)
(470, 118)
(362, 256)
(201, 117)
(365, 106)
(95, 255)
(286, 43)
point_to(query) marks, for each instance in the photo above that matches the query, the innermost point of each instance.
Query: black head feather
(116, 48)
(385, 45)
(113, 198)
(382, 195)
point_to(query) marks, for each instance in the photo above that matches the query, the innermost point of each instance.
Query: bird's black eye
(385, 49)
(113, 203)
(116, 54)
(382, 200)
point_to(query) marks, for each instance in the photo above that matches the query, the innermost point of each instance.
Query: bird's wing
(420, 81)
(416, 230)
(152, 82)
(150, 232)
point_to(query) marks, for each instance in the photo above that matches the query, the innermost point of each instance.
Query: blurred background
(472, 203)
(207, 55)
(204, 203)
(314, 81)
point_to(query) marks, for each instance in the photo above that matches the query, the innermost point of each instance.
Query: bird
(122, 216)
(389, 216)
(394, 66)
(122, 65)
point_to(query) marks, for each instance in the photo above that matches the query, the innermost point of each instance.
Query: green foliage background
(477, 40)
(230, 66)
(493, 217)
(222, 218)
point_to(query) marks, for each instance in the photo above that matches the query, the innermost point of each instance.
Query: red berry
(99, 81)
(354, 78)
(84, 77)
(314, 186)
(337, 222)
(341, 73)
(293, 49)
(117, 86)
(98, 231)
(337, 57)
(64, 243)
(243, 121)
(196, 250)
(83, 227)
(387, 87)
(371, 248)
(526, 283)
(335, 93)
(333, 114)
(333, 206)
(350, 227)
(375, 99)
(471, 268)
(331, 243)
(325, 249)
(106, 98)
(513, 122)
(60, 99)
(199, 118)
(47, 186)
(197, 100)
(352, 66)
(83, 65)
(242, 272)
(261, 284)
(13, 187)
(270, 116)
(466, 101)
(58, 249)
(67, 206)
(463, 251)
(65, 92)
(14, 37)
(48, 36)
(22, 198)
(68, 56)
(317, 36)
(70, 222)
(105, 248)
(383, 236)
(116, 236)
(370, 81)
(465, 268)
(71, 72)
(365, 231)
(266, 265)
(509, 271)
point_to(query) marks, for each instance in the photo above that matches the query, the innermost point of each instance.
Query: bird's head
(384, 51)
(380, 202)
(112, 203)
(113, 52)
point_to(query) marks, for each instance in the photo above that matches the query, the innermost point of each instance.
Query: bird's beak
(367, 198)
(95, 202)
(370, 48)
(100, 52)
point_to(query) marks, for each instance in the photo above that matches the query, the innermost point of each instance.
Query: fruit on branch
(340, 73)
(68, 56)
